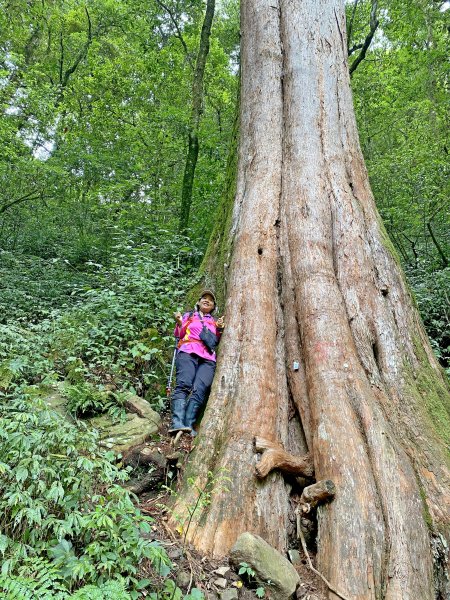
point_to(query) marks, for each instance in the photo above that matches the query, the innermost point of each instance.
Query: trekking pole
(172, 367)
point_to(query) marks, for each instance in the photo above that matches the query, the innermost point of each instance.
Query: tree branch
(82, 54)
(438, 246)
(61, 57)
(374, 22)
(354, 48)
(178, 31)
(30, 196)
(315, 494)
(350, 24)
(413, 248)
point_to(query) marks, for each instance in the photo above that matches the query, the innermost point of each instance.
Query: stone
(57, 402)
(220, 582)
(267, 563)
(230, 594)
(294, 556)
(141, 407)
(124, 435)
(222, 570)
(175, 553)
(183, 579)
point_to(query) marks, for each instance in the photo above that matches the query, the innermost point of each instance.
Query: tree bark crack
(386, 547)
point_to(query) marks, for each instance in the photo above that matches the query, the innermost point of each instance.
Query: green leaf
(143, 583)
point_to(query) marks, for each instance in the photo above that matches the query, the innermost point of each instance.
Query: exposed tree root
(274, 457)
(316, 494)
(310, 565)
(177, 438)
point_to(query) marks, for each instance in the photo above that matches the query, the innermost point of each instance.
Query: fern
(36, 579)
(111, 590)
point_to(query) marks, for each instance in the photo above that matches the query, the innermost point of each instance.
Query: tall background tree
(196, 113)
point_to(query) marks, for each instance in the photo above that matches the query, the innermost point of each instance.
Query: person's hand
(178, 318)
(220, 323)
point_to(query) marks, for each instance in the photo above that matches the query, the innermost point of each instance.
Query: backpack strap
(188, 322)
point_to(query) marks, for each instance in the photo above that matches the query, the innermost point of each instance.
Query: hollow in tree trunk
(313, 279)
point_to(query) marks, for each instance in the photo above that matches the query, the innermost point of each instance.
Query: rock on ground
(122, 436)
(229, 595)
(267, 563)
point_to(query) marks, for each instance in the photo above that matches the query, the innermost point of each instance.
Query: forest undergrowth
(68, 527)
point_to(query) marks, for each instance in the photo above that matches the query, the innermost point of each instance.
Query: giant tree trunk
(313, 279)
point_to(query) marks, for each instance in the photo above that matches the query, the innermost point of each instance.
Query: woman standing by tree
(199, 335)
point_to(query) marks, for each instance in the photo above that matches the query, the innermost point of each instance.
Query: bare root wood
(317, 493)
(149, 481)
(274, 457)
(176, 439)
(142, 456)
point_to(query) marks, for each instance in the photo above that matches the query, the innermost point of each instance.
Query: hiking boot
(177, 429)
(179, 416)
(192, 410)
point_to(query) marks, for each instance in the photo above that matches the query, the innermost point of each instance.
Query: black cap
(205, 292)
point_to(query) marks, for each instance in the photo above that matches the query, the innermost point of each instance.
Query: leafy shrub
(115, 335)
(84, 400)
(39, 579)
(31, 287)
(60, 500)
(432, 292)
(68, 528)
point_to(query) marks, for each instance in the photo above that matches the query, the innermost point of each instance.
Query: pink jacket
(189, 334)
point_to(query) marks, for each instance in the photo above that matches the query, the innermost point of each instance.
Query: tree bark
(196, 113)
(314, 279)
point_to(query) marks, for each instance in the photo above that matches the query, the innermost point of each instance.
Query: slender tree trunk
(314, 279)
(197, 109)
(438, 247)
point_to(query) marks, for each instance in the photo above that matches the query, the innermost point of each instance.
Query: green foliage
(94, 136)
(31, 287)
(400, 93)
(38, 578)
(61, 500)
(110, 590)
(432, 292)
(84, 400)
(64, 515)
(171, 592)
(400, 97)
(113, 337)
(250, 576)
(245, 569)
